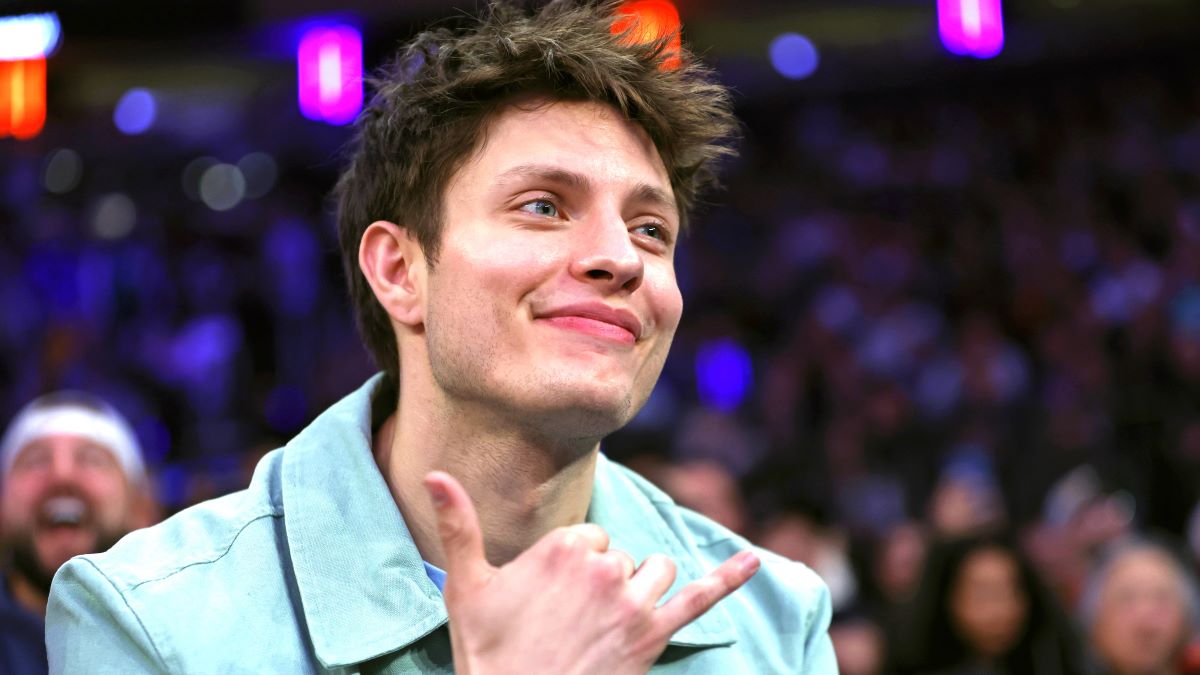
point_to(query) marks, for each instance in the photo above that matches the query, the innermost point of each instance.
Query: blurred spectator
(859, 644)
(967, 501)
(896, 566)
(707, 488)
(72, 481)
(1082, 516)
(797, 535)
(984, 612)
(1140, 612)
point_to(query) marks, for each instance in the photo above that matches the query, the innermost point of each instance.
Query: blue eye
(541, 207)
(654, 230)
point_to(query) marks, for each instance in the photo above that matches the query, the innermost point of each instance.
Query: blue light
(135, 112)
(794, 56)
(724, 374)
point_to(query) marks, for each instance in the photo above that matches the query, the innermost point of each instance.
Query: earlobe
(392, 262)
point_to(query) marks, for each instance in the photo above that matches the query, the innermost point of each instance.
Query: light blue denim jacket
(312, 570)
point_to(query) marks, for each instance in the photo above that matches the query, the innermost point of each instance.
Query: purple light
(971, 27)
(329, 64)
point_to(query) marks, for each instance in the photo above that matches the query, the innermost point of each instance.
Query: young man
(71, 482)
(508, 222)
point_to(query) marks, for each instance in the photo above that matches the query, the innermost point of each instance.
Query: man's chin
(66, 542)
(38, 557)
(586, 412)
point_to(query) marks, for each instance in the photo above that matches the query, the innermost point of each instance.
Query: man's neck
(521, 488)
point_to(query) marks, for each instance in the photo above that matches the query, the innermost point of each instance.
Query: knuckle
(563, 544)
(628, 608)
(596, 533)
(606, 570)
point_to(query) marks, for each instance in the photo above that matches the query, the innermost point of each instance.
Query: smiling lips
(598, 320)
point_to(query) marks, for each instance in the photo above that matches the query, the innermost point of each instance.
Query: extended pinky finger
(698, 597)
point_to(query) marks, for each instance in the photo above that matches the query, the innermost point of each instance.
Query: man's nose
(607, 256)
(63, 466)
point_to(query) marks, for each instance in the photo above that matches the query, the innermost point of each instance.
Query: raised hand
(566, 605)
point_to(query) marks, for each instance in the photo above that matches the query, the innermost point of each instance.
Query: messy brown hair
(433, 102)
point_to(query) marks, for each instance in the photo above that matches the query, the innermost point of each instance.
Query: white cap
(78, 414)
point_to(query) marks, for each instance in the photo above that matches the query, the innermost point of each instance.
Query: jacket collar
(361, 579)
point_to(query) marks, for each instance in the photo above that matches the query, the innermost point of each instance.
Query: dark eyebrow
(642, 192)
(658, 197)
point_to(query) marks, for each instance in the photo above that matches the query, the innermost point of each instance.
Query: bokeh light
(63, 171)
(222, 187)
(114, 216)
(646, 21)
(794, 56)
(971, 27)
(260, 171)
(31, 36)
(135, 112)
(22, 98)
(329, 69)
(724, 374)
(192, 173)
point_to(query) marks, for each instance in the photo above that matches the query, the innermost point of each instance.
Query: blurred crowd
(972, 316)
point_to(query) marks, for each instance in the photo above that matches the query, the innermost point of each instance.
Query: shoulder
(199, 535)
(784, 589)
(134, 603)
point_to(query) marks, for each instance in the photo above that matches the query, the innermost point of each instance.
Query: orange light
(6, 77)
(650, 20)
(22, 98)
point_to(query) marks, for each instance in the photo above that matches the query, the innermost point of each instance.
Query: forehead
(1144, 565)
(60, 442)
(1143, 568)
(588, 138)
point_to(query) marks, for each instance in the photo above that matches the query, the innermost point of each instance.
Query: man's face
(1141, 621)
(64, 496)
(554, 297)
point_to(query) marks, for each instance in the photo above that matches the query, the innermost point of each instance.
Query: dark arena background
(948, 299)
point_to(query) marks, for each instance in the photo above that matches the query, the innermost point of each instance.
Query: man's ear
(394, 265)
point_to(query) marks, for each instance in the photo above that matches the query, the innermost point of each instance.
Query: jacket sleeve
(819, 658)
(90, 627)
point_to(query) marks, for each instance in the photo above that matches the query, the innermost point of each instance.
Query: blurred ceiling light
(222, 187)
(135, 112)
(31, 36)
(192, 173)
(63, 171)
(645, 21)
(22, 98)
(794, 56)
(329, 70)
(260, 171)
(114, 217)
(971, 27)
